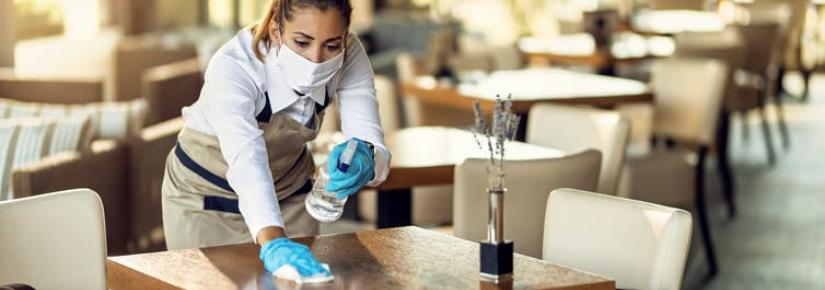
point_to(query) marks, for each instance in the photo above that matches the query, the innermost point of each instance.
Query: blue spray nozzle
(346, 157)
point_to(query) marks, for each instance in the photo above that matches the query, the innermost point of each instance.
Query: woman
(241, 170)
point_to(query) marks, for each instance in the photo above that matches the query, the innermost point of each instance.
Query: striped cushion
(72, 133)
(33, 139)
(8, 140)
(121, 120)
(24, 141)
(5, 106)
(110, 120)
(20, 110)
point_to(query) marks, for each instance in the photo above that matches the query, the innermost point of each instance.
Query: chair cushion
(110, 120)
(24, 141)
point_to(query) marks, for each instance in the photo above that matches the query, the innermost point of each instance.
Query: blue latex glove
(282, 251)
(360, 171)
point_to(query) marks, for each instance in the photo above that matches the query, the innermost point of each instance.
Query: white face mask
(304, 75)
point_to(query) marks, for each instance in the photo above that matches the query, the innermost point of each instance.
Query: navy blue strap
(200, 171)
(211, 202)
(266, 113)
(318, 109)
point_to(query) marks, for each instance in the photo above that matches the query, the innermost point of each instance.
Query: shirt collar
(280, 94)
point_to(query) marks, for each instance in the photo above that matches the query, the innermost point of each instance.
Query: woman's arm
(359, 107)
(230, 95)
(269, 233)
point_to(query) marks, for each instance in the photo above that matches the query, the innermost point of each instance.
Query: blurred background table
(407, 257)
(669, 22)
(428, 156)
(528, 87)
(580, 49)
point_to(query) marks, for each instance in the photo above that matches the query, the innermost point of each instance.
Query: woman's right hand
(281, 251)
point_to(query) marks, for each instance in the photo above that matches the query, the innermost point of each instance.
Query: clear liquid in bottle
(322, 204)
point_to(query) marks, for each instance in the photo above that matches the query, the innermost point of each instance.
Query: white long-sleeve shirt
(231, 98)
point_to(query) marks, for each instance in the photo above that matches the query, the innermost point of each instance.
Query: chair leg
(743, 119)
(783, 126)
(702, 213)
(766, 130)
(723, 162)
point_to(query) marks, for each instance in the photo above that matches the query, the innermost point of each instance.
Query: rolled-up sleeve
(359, 107)
(230, 96)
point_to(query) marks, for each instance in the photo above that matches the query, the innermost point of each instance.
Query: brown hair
(281, 10)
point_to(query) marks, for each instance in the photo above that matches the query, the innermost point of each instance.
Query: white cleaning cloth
(290, 273)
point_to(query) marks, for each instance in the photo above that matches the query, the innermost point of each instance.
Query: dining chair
(431, 205)
(528, 183)
(792, 16)
(418, 113)
(648, 243)
(753, 81)
(688, 99)
(789, 16)
(726, 46)
(54, 241)
(572, 129)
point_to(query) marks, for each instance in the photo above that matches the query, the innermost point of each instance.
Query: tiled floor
(778, 239)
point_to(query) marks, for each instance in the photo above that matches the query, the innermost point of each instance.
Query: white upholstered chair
(572, 129)
(688, 99)
(528, 183)
(642, 245)
(54, 241)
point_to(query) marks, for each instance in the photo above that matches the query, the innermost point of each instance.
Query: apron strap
(318, 109)
(266, 113)
(200, 171)
(219, 203)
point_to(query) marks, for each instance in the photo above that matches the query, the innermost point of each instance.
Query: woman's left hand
(360, 171)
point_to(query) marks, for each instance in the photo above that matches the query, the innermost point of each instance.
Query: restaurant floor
(777, 240)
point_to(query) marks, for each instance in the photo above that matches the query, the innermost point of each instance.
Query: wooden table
(529, 87)
(581, 49)
(669, 22)
(428, 156)
(399, 258)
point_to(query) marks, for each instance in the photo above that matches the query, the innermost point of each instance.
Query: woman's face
(314, 34)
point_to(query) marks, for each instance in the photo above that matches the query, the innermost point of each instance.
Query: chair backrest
(792, 15)
(688, 98)
(761, 41)
(418, 113)
(388, 106)
(641, 245)
(528, 183)
(407, 66)
(54, 241)
(726, 45)
(573, 129)
(62, 91)
(170, 87)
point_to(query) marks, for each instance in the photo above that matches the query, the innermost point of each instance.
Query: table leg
(521, 134)
(394, 208)
(351, 208)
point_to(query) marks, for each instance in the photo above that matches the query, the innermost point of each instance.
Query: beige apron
(200, 209)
